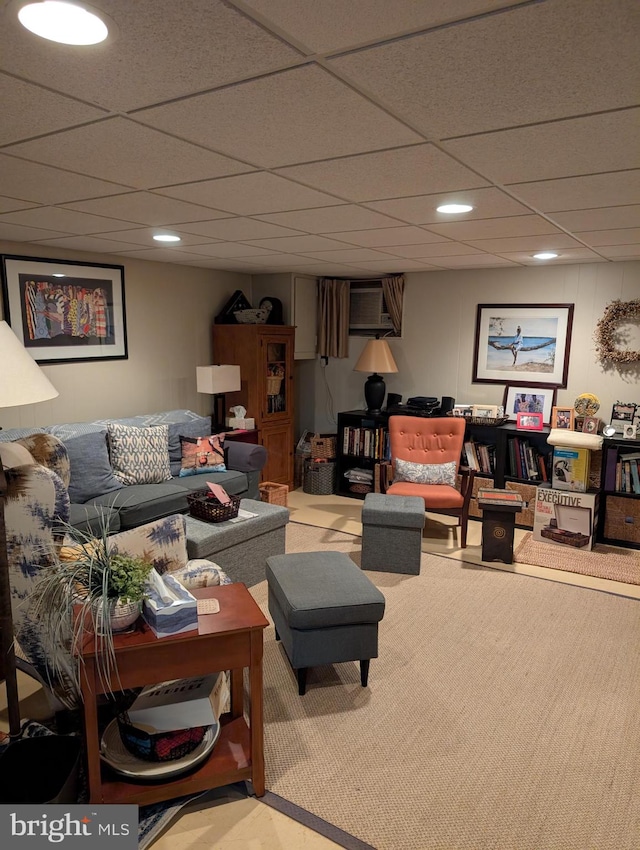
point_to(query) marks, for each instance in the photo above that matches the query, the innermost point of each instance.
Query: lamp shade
(376, 357)
(217, 379)
(22, 381)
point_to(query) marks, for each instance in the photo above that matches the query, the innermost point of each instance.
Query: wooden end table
(229, 640)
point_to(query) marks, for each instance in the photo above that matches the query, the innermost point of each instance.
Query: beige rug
(608, 562)
(502, 714)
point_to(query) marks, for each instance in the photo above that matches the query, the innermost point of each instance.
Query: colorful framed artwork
(530, 399)
(521, 344)
(65, 311)
(529, 421)
(563, 417)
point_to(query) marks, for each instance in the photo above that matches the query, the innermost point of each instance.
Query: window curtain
(393, 291)
(333, 331)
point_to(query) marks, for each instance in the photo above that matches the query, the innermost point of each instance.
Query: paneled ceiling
(319, 136)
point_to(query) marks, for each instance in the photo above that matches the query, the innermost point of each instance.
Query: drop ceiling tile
(20, 233)
(517, 68)
(223, 264)
(293, 116)
(386, 236)
(390, 266)
(88, 243)
(334, 270)
(228, 249)
(434, 249)
(605, 218)
(621, 252)
(238, 229)
(163, 50)
(567, 255)
(144, 236)
(626, 236)
(46, 185)
(560, 149)
(420, 169)
(422, 209)
(282, 261)
(13, 205)
(69, 221)
(164, 255)
(471, 261)
(249, 194)
(299, 244)
(550, 242)
(347, 255)
(581, 193)
(29, 110)
(521, 225)
(119, 149)
(146, 208)
(331, 219)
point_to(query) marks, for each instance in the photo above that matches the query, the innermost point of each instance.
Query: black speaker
(446, 404)
(393, 399)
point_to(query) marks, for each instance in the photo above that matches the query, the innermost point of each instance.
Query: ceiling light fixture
(452, 209)
(545, 255)
(66, 23)
(166, 237)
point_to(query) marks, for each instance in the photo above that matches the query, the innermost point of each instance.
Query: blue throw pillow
(91, 472)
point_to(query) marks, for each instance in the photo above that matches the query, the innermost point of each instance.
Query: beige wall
(170, 311)
(435, 354)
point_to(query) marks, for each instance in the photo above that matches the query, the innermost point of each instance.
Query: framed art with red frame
(529, 421)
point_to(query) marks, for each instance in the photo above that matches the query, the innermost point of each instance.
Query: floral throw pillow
(426, 473)
(202, 454)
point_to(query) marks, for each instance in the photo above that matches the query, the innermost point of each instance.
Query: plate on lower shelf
(118, 757)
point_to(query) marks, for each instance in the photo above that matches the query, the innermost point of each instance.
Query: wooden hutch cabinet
(265, 356)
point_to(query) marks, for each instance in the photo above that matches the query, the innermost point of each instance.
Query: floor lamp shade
(376, 357)
(216, 381)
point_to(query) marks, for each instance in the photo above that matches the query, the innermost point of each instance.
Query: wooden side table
(499, 509)
(229, 640)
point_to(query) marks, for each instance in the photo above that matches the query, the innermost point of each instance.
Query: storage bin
(479, 483)
(319, 477)
(528, 493)
(323, 446)
(274, 494)
(622, 519)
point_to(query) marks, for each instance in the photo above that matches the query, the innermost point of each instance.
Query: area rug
(500, 713)
(608, 562)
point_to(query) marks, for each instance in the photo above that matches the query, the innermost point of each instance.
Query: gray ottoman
(392, 533)
(325, 611)
(240, 548)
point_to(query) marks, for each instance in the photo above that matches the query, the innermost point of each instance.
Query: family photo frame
(64, 311)
(563, 417)
(529, 399)
(529, 421)
(523, 344)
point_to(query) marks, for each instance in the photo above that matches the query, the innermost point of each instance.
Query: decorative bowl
(257, 316)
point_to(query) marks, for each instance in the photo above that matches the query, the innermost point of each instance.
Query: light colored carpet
(502, 714)
(608, 562)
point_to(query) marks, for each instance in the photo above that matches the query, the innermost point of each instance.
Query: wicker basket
(298, 468)
(210, 509)
(274, 494)
(162, 746)
(319, 477)
(323, 446)
(482, 420)
(273, 385)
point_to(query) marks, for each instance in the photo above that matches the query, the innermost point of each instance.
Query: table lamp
(376, 357)
(216, 381)
(22, 381)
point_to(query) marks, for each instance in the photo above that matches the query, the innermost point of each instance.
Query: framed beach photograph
(563, 417)
(531, 399)
(65, 311)
(529, 421)
(522, 344)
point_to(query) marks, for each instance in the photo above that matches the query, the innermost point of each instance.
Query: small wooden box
(274, 494)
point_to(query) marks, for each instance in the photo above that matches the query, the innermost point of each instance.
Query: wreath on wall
(606, 335)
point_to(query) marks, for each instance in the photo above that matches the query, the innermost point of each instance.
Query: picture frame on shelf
(484, 411)
(630, 431)
(534, 398)
(523, 344)
(529, 421)
(623, 414)
(65, 311)
(591, 425)
(563, 417)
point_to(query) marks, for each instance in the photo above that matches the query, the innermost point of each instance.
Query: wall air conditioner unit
(367, 310)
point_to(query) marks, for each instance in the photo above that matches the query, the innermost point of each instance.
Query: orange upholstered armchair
(425, 455)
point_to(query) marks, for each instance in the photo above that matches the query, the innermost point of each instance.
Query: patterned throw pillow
(202, 454)
(426, 473)
(139, 455)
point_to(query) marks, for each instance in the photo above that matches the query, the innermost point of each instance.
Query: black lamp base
(374, 392)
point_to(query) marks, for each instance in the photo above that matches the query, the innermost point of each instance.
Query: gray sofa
(95, 492)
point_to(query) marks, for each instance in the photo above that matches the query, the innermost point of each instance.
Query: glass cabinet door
(277, 374)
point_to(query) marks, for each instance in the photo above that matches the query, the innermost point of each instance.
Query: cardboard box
(242, 424)
(565, 519)
(570, 469)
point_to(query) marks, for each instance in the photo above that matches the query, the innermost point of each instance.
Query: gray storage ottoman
(240, 548)
(325, 611)
(392, 533)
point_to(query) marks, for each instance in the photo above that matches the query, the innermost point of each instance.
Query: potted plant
(88, 590)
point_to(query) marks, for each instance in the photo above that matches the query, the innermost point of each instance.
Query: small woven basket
(274, 494)
(210, 509)
(162, 746)
(323, 445)
(319, 477)
(273, 385)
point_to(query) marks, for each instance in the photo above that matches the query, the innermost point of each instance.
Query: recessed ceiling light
(545, 255)
(58, 274)
(66, 23)
(166, 237)
(452, 209)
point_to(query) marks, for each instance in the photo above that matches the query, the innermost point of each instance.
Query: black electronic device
(393, 399)
(422, 402)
